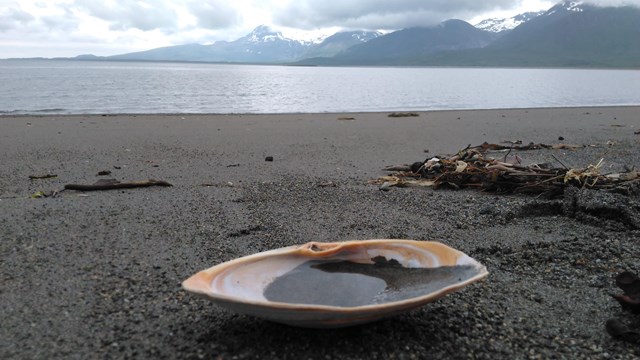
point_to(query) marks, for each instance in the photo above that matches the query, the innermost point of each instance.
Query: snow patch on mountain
(497, 25)
(265, 33)
(573, 6)
(364, 36)
(309, 37)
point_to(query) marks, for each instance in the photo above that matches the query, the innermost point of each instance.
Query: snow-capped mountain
(573, 33)
(448, 36)
(263, 40)
(496, 25)
(263, 34)
(261, 45)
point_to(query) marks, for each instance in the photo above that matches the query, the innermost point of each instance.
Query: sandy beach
(97, 274)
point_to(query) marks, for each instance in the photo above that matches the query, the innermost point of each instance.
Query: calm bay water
(76, 87)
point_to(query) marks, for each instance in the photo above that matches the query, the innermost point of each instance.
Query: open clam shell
(337, 284)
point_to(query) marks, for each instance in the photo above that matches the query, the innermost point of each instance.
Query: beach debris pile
(630, 301)
(471, 167)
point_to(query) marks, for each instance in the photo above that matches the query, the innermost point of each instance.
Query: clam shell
(337, 284)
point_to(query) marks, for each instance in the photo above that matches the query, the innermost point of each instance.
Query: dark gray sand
(97, 274)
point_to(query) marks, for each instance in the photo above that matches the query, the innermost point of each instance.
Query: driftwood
(403, 114)
(111, 184)
(43, 176)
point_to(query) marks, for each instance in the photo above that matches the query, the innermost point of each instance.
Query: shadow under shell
(349, 284)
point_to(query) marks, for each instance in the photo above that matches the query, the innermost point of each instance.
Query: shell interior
(347, 283)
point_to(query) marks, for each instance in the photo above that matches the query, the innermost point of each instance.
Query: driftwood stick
(43, 176)
(111, 184)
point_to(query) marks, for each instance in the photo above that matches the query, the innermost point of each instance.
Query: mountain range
(568, 34)
(262, 45)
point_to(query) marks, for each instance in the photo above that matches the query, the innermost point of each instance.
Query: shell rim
(293, 250)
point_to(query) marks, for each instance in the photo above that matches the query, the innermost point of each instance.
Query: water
(348, 284)
(74, 87)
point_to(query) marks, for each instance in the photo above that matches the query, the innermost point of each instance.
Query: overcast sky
(51, 28)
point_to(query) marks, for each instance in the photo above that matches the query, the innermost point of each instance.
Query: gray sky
(52, 28)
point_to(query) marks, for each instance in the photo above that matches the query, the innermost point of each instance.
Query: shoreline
(613, 67)
(37, 114)
(98, 274)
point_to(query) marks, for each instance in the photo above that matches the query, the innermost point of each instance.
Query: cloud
(29, 27)
(214, 14)
(635, 3)
(123, 15)
(14, 17)
(167, 16)
(36, 21)
(380, 14)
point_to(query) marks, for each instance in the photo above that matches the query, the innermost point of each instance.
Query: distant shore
(97, 274)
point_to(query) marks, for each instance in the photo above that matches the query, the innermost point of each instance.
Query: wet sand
(97, 274)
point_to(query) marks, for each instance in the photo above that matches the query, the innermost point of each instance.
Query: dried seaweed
(471, 167)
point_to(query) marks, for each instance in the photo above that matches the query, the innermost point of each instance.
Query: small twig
(605, 153)
(558, 160)
(507, 154)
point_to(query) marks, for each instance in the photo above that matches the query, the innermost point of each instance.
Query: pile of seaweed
(472, 167)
